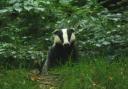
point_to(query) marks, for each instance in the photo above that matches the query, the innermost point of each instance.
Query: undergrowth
(16, 79)
(95, 73)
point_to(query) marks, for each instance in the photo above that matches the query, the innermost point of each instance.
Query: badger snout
(66, 45)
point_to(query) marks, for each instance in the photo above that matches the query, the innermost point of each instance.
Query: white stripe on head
(56, 39)
(65, 36)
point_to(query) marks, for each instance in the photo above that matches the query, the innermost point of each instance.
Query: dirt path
(50, 81)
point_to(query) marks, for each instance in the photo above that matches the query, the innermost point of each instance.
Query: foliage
(22, 32)
(26, 27)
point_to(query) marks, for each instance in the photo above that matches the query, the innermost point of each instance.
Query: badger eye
(59, 34)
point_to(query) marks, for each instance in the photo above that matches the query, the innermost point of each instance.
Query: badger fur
(63, 48)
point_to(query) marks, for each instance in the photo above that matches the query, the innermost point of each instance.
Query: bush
(26, 27)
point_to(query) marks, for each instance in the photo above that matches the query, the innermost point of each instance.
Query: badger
(62, 50)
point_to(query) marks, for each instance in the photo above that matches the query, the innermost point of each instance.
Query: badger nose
(66, 45)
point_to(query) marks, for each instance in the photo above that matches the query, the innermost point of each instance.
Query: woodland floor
(50, 81)
(96, 74)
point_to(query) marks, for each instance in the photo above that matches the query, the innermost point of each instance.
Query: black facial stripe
(69, 34)
(60, 34)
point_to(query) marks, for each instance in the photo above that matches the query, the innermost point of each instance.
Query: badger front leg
(48, 61)
(45, 67)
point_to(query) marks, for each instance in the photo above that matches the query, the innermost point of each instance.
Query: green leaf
(28, 8)
(18, 9)
(65, 1)
(40, 9)
(3, 11)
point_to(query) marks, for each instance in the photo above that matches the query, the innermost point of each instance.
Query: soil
(49, 81)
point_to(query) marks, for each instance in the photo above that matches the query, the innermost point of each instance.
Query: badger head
(64, 37)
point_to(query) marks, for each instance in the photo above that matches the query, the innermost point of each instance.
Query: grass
(95, 74)
(16, 79)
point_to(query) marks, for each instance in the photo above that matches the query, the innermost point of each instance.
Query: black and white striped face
(64, 36)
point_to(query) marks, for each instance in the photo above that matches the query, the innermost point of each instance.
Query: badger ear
(55, 32)
(72, 30)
